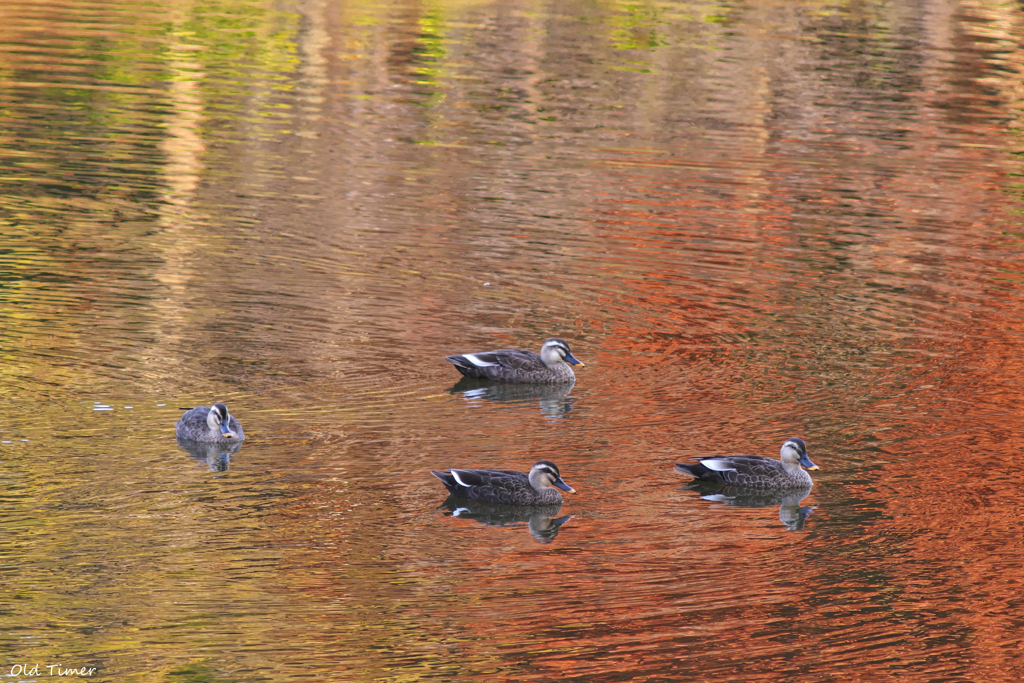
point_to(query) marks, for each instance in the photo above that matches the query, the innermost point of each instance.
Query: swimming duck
(754, 470)
(507, 487)
(510, 365)
(209, 425)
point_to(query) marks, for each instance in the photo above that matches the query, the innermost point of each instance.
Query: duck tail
(465, 367)
(447, 479)
(690, 470)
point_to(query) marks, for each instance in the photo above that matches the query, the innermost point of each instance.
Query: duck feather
(755, 470)
(506, 487)
(519, 365)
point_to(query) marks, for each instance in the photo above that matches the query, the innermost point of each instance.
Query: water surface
(751, 222)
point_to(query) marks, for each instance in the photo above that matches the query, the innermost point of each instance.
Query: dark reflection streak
(542, 521)
(216, 456)
(791, 513)
(555, 402)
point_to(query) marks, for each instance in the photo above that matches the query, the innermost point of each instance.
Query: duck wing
(744, 465)
(198, 413)
(737, 470)
(488, 486)
(496, 364)
(491, 478)
(519, 359)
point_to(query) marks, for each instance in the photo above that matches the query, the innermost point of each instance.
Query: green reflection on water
(636, 27)
(193, 673)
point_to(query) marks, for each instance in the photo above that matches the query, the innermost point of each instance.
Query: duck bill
(225, 430)
(806, 462)
(565, 487)
(569, 358)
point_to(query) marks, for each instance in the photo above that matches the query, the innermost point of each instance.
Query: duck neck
(794, 470)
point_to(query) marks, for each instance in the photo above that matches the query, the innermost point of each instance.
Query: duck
(755, 470)
(550, 366)
(507, 487)
(209, 425)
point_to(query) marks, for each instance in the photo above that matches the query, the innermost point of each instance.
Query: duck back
(500, 487)
(193, 426)
(745, 470)
(510, 365)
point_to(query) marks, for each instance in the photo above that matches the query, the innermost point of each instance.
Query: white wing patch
(718, 465)
(455, 473)
(476, 361)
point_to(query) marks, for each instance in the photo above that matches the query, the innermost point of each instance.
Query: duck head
(218, 419)
(544, 475)
(794, 452)
(556, 351)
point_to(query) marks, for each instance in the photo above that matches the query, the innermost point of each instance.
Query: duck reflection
(217, 456)
(542, 520)
(791, 513)
(555, 401)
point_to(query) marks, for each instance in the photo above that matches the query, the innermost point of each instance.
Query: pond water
(751, 221)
